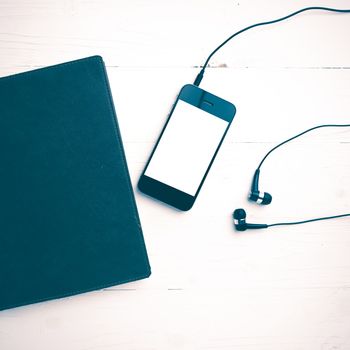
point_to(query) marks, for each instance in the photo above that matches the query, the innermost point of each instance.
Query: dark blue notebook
(68, 218)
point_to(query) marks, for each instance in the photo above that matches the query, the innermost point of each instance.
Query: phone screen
(186, 147)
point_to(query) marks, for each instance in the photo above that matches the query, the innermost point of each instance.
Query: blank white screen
(186, 148)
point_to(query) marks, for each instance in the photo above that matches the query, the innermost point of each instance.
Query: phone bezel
(203, 100)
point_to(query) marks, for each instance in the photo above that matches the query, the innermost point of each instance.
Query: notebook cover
(68, 218)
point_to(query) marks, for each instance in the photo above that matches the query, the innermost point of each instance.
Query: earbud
(260, 197)
(257, 196)
(239, 216)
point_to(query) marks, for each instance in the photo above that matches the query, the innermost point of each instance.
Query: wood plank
(211, 287)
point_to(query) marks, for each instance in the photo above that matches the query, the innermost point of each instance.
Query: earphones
(255, 195)
(264, 198)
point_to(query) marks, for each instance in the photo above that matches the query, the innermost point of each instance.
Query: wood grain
(211, 288)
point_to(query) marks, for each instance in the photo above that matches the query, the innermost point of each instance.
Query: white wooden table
(211, 288)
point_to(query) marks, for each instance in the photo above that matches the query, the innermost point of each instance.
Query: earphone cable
(300, 134)
(310, 220)
(201, 73)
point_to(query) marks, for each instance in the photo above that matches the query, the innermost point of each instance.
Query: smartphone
(187, 147)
